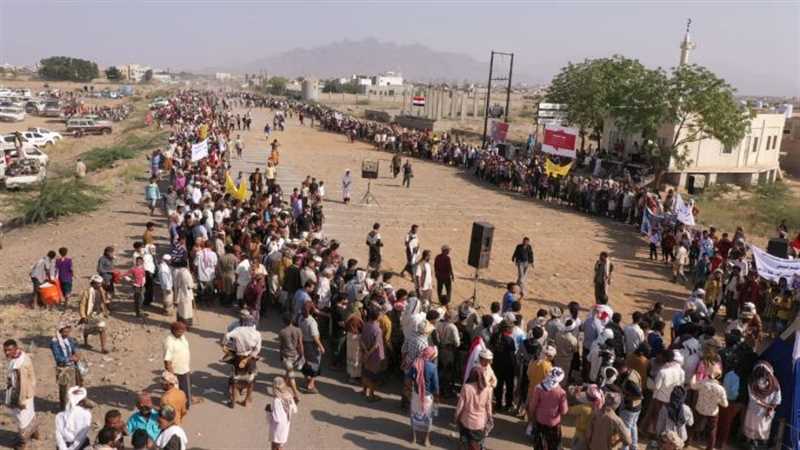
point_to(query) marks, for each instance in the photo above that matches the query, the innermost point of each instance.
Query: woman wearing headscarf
(353, 326)
(280, 412)
(74, 423)
(546, 406)
(473, 415)
(424, 378)
(676, 416)
(764, 396)
(372, 354)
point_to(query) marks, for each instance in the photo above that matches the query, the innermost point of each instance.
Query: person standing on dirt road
(408, 174)
(19, 393)
(43, 270)
(412, 252)
(523, 259)
(602, 278)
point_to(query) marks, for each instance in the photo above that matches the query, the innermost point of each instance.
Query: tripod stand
(368, 195)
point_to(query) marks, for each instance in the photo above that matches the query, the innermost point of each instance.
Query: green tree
(592, 89)
(113, 74)
(691, 102)
(63, 68)
(148, 76)
(277, 85)
(337, 87)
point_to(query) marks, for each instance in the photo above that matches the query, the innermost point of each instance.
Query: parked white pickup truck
(24, 172)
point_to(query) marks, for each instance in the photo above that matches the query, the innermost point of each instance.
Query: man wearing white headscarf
(595, 357)
(74, 423)
(20, 390)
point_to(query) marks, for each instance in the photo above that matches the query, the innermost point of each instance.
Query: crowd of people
(668, 381)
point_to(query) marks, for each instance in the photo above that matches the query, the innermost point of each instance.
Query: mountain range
(369, 56)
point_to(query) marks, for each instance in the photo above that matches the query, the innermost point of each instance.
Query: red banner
(560, 141)
(499, 131)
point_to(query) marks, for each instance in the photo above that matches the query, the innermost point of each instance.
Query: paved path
(338, 417)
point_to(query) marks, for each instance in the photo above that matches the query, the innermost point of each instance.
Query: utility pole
(489, 90)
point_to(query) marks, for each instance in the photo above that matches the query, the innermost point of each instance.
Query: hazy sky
(754, 45)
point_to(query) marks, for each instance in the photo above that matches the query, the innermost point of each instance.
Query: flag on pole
(553, 169)
(684, 211)
(239, 193)
(418, 100)
(647, 222)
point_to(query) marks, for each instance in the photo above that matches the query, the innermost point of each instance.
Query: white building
(388, 79)
(134, 72)
(222, 76)
(361, 80)
(753, 160)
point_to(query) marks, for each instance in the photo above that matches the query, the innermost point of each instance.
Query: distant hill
(370, 56)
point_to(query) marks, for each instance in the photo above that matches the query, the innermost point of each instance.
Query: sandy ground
(443, 201)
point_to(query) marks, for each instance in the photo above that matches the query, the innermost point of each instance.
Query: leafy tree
(591, 89)
(148, 76)
(63, 68)
(337, 87)
(277, 85)
(113, 74)
(691, 102)
(670, 110)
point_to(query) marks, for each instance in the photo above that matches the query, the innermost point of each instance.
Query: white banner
(684, 211)
(200, 150)
(773, 268)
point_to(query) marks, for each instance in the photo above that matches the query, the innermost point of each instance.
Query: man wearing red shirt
(724, 246)
(443, 269)
(750, 292)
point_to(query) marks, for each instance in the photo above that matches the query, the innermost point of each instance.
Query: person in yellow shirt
(540, 367)
(713, 290)
(173, 396)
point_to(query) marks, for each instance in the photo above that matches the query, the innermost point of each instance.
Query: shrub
(103, 157)
(56, 198)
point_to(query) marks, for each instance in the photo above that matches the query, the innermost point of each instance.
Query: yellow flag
(242, 193)
(552, 169)
(230, 186)
(203, 131)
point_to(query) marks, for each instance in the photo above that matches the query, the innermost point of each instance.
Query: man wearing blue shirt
(146, 418)
(510, 297)
(65, 353)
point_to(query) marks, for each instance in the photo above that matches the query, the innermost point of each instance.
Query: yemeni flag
(418, 100)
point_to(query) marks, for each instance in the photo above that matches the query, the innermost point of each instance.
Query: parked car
(51, 109)
(34, 106)
(38, 139)
(29, 152)
(23, 173)
(80, 126)
(159, 103)
(47, 133)
(11, 114)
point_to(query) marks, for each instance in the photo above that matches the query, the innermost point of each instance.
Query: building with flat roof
(753, 160)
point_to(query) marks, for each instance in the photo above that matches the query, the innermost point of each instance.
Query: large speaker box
(369, 169)
(778, 247)
(480, 245)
